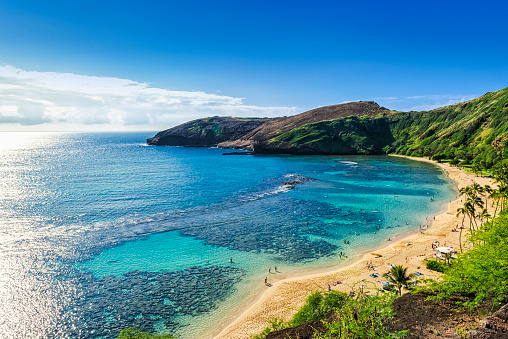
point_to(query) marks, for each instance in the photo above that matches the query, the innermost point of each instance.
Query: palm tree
(469, 209)
(398, 277)
(462, 211)
(475, 169)
(484, 214)
(487, 192)
(498, 195)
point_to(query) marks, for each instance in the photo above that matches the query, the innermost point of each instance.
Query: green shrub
(435, 266)
(135, 333)
(318, 306)
(362, 318)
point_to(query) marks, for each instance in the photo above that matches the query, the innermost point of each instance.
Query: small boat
(376, 254)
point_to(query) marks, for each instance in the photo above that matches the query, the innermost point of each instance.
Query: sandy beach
(282, 299)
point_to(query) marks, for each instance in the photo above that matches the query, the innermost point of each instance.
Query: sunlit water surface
(100, 232)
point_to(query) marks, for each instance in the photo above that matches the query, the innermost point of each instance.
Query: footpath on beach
(282, 299)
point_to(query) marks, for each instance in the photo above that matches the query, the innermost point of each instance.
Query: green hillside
(475, 131)
(471, 132)
(349, 135)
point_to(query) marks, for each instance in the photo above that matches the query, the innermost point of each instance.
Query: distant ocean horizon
(101, 232)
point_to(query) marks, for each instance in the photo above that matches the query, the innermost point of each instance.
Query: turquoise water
(101, 232)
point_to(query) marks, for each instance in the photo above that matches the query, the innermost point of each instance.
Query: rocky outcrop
(495, 326)
(205, 132)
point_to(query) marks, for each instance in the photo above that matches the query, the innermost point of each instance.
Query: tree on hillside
(475, 169)
(398, 277)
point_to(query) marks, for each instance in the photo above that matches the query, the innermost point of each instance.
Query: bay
(101, 232)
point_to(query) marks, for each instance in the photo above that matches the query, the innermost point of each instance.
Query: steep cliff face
(205, 132)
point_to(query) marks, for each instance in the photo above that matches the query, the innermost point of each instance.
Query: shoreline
(286, 296)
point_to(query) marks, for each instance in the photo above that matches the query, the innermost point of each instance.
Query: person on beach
(269, 270)
(266, 280)
(275, 268)
(329, 288)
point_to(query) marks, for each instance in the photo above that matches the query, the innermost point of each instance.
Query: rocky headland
(475, 131)
(261, 135)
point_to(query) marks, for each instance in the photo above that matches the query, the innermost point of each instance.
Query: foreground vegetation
(344, 315)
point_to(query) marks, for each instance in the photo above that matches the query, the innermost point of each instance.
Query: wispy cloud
(422, 102)
(48, 100)
(386, 98)
(429, 102)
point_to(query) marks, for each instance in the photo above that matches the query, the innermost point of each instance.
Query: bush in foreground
(346, 316)
(135, 333)
(363, 317)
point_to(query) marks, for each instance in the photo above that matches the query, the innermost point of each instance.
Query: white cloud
(430, 102)
(49, 100)
(386, 98)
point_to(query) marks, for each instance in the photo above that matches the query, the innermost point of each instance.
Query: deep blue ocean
(100, 232)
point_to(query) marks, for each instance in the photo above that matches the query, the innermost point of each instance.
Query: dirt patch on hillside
(425, 319)
(303, 331)
(431, 319)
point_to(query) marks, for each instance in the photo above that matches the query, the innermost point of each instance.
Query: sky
(150, 65)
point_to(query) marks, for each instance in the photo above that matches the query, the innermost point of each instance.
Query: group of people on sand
(337, 283)
(270, 272)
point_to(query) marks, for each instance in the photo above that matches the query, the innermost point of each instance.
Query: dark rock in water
(296, 180)
(238, 153)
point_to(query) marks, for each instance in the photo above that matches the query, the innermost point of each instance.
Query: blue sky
(153, 64)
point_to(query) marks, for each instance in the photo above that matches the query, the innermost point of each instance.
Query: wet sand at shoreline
(282, 299)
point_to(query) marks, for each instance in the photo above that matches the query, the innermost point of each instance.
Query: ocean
(100, 232)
